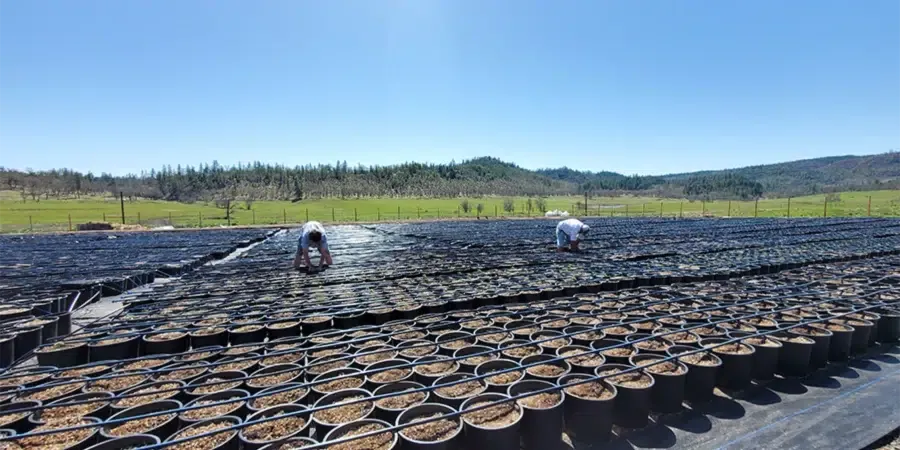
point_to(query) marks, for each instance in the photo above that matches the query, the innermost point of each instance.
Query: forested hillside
(480, 176)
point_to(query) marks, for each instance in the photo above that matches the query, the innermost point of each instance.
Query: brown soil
(495, 338)
(165, 337)
(59, 346)
(618, 330)
(115, 384)
(437, 368)
(207, 331)
(476, 360)
(708, 331)
(409, 335)
(581, 358)
(285, 347)
(621, 351)
(274, 429)
(236, 365)
(204, 443)
(653, 344)
(212, 411)
(24, 379)
(556, 343)
(153, 395)
(10, 418)
(326, 352)
(809, 331)
(139, 426)
(546, 370)
(287, 358)
(51, 393)
(734, 349)
(325, 367)
(282, 325)
(832, 327)
(343, 414)
(145, 364)
(58, 440)
(390, 375)
(318, 319)
(417, 352)
(590, 335)
(340, 384)
(634, 379)
(289, 396)
(522, 352)
(526, 331)
(402, 401)
(374, 358)
(760, 321)
(501, 320)
(505, 378)
(458, 344)
(272, 380)
(540, 401)
(435, 431)
(797, 339)
(761, 341)
(497, 416)
(61, 412)
(372, 343)
(700, 359)
(561, 323)
(380, 441)
(477, 323)
(586, 321)
(222, 384)
(644, 326)
(235, 351)
(181, 374)
(461, 390)
(665, 368)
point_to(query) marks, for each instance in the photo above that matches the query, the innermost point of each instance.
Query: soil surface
(546, 370)
(62, 412)
(634, 379)
(390, 375)
(540, 401)
(700, 359)
(204, 443)
(435, 431)
(272, 380)
(734, 349)
(497, 416)
(403, 401)
(289, 396)
(222, 384)
(581, 358)
(381, 441)
(522, 352)
(346, 413)
(152, 394)
(505, 378)
(762, 341)
(340, 384)
(461, 390)
(274, 429)
(665, 368)
(211, 411)
(139, 426)
(58, 440)
(437, 368)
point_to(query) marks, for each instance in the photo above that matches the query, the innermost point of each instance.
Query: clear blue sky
(651, 86)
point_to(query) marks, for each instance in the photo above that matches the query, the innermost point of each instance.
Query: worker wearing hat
(569, 233)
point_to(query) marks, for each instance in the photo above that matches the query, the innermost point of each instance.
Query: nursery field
(694, 333)
(65, 215)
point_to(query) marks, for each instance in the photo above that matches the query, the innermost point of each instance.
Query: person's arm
(306, 257)
(324, 253)
(575, 245)
(297, 258)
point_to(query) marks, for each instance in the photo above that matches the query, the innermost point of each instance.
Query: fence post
(139, 217)
(825, 213)
(729, 208)
(681, 210)
(200, 215)
(439, 213)
(228, 212)
(703, 208)
(379, 214)
(307, 214)
(104, 217)
(495, 210)
(355, 217)
(70, 222)
(626, 210)
(789, 207)
(30, 225)
(122, 206)
(756, 208)
(869, 210)
(332, 214)
(660, 209)
(170, 217)
(253, 211)
(643, 209)
(283, 216)
(418, 213)
(398, 212)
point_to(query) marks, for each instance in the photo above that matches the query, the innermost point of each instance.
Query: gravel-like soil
(236, 365)
(665, 368)
(390, 375)
(408, 336)
(462, 390)
(831, 327)
(418, 351)
(498, 416)
(272, 380)
(61, 412)
(58, 441)
(621, 351)
(207, 331)
(289, 396)
(540, 401)
(237, 351)
(152, 395)
(546, 370)
(437, 368)
(204, 443)
(555, 343)
(286, 358)
(435, 431)
(220, 384)
(321, 368)
(809, 331)
(653, 344)
(797, 339)
(212, 411)
(403, 401)
(457, 344)
(381, 441)
(162, 337)
(274, 429)
(342, 414)
(476, 360)
(181, 374)
(527, 331)
(700, 359)
(340, 384)
(139, 426)
(682, 337)
(734, 349)
(144, 364)
(634, 379)
(10, 418)
(582, 358)
(761, 341)
(57, 346)
(51, 393)
(115, 384)
(24, 379)
(496, 338)
(505, 378)
(522, 352)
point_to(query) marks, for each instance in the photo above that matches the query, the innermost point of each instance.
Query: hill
(476, 177)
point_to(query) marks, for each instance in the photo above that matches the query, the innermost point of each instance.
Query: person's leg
(562, 241)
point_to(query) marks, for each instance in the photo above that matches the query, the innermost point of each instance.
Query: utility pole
(122, 206)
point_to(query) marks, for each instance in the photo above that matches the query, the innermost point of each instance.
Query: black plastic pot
(632, 402)
(275, 331)
(488, 367)
(427, 378)
(101, 412)
(466, 366)
(390, 415)
(311, 326)
(218, 339)
(862, 330)
(233, 443)
(168, 347)
(701, 379)
(26, 340)
(889, 325)
(235, 375)
(114, 352)
(793, 359)
(372, 381)
(608, 342)
(505, 438)
(765, 358)
(248, 444)
(66, 357)
(428, 410)
(134, 441)
(238, 411)
(247, 337)
(300, 400)
(580, 368)
(737, 368)
(818, 357)
(22, 425)
(588, 421)
(455, 402)
(667, 392)
(538, 359)
(162, 431)
(841, 339)
(347, 428)
(295, 440)
(322, 428)
(542, 428)
(252, 387)
(7, 350)
(454, 336)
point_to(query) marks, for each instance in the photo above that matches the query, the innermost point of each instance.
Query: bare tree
(541, 205)
(465, 206)
(479, 208)
(509, 206)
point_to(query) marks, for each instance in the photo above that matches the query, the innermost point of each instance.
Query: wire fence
(131, 215)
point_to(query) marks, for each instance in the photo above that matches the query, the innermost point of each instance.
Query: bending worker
(569, 233)
(312, 235)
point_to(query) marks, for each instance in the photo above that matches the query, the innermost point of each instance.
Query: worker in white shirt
(312, 235)
(569, 233)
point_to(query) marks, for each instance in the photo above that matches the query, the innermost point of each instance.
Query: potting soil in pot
(340, 384)
(761, 341)
(280, 398)
(150, 394)
(504, 378)
(522, 352)
(212, 411)
(204, 443)
(390, 375)
(52, 392)
(272, 380)
(461, 390)
(700, 359)
(434, 431)
(62, 412)
(498, 416)
(734, 349)
(582, 358)
(436, 368)
(546, 370)
(82, 372)
(633, 379)
(144, 364)
(381, 441)
(403, 401)
(139, 426)
(540, 401)
(215, 384)
(664, 368)
(336, 414)
(271, 430)
(58, 440)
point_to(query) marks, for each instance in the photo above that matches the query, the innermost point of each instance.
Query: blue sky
(631, 86)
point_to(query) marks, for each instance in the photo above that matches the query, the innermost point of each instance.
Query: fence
(144, 215)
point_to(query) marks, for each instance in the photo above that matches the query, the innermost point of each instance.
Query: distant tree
(528, 205)
(833, 197)
(508, 205)
(465, 206)
(479, 208)
(541, 205)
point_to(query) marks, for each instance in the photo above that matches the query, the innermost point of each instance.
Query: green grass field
(54, 215)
